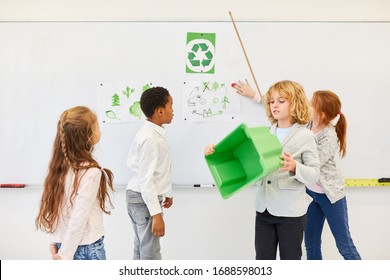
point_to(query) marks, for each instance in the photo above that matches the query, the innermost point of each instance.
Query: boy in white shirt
(150, 187)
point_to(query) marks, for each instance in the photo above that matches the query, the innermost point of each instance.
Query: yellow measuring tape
(365, 183)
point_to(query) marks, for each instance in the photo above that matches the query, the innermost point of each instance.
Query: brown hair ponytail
(328, 105)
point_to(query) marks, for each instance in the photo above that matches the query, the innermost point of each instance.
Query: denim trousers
(146, 245)
(337, 217)
(94, 251)
(271, 231)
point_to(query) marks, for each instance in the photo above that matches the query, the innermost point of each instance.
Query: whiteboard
(47, 67)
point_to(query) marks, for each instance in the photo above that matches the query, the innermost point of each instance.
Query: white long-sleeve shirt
(150, 164)
(82, 222)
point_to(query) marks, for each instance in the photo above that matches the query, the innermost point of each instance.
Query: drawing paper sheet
(210, 101)
(118, 102)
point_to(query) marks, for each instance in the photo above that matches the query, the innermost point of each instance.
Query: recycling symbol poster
(200, 53)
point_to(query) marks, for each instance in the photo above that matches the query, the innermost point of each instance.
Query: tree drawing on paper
(128, 91)
(215, 86)
(224, 101)
(116, 100)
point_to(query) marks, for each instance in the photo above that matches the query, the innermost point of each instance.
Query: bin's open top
(243, 157)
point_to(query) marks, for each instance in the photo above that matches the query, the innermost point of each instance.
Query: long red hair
(328, 105)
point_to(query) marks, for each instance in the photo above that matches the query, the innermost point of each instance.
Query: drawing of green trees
(215, 86)
(224, 101)
(128, 91)
(115, 100)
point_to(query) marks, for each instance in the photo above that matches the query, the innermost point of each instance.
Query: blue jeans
(94, 251)
(337, 217)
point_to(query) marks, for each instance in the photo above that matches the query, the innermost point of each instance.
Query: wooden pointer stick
(246, 56)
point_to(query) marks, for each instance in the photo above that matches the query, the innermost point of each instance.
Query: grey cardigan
(331, 178)
(282, 193)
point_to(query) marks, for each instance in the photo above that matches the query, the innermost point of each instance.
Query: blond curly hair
(295, 94)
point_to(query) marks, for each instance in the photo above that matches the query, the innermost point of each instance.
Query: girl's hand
(56, 257)
(53, 249)
(209, 149)
(54, 252)
(244, 89)
(289, 163)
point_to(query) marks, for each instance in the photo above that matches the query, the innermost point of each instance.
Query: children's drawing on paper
(119, 102)
(209, 101)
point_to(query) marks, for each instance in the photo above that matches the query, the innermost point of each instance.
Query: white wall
(215, 10)
(200, 225)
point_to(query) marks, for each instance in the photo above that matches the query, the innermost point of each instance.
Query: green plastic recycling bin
(243, 157)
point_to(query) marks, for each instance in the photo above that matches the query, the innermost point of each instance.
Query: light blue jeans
(337, 217)
(146, 245)
(94, 251)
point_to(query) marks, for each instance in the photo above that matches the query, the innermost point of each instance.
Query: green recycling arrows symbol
(200, 53)
(204, 59)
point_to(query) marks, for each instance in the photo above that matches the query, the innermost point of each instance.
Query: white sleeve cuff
(154, 208)
(257, 98)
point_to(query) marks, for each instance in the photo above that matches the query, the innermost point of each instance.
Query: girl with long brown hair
(75, 190)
